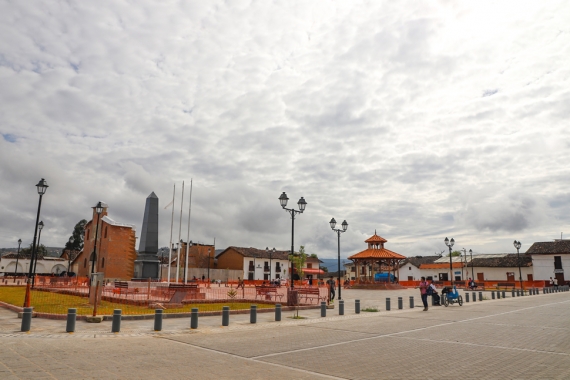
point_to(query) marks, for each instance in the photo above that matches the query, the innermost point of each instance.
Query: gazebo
(375, 258)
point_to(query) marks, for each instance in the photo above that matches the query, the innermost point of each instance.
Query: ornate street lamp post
(517, 245)
(302, 204)
(42, 187)
(17, 256)
(471, 253)
(449, 244)
(338, 232)
(98, 210)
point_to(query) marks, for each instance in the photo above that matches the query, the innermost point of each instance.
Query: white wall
(43, 266)
(544, 266)
(500, 274)
(260, 264)
(410, 270)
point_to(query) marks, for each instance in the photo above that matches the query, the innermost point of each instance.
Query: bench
(310, 294)
(505, 285)
(183, 286)
(122, 287)
(267, 292)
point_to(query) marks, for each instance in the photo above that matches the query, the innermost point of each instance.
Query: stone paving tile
(544, 339)
(269, 341)
(397, 358)
(380, 325)
(130, 358)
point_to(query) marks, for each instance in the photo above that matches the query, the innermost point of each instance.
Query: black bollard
(432, 301)
(513, 293)
(225, 316)
(466, 296)
(480, 296)
(493, 295)
(253, 314)
(518, 293)
(357, 306)
(400, 303)
(498, 295)
(278, 312)
(194, 318)
(71, 317)
(27, 319)
(341, 307)
(412, 302)
(474, 297)
(387, 304)
(323, 309)
(116, 325)
(158, 320)
(503, 295)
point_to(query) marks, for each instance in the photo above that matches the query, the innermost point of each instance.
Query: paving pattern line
(481, 345)
(402, 332)
(312, 373)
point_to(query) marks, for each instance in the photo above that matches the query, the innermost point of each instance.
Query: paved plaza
(513, 338)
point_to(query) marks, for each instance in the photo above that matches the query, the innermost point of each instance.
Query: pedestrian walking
(240, 283)
(423, 291)
(330, 284)
(555, 281)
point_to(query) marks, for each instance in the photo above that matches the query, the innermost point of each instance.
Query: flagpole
(171, 225)
(188, 236)
(179, 233)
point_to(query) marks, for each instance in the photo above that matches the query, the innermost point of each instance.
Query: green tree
(42, 251)
(299, 260)
(75, 241)
(454, 253)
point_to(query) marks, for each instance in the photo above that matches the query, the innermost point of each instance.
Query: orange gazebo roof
(382, 253)
(375, 239)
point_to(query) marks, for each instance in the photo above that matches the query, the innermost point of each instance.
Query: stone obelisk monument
(147, 264)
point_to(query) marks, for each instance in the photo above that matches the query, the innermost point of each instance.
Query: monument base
(146, 268)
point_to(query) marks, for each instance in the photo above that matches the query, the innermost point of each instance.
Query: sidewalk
(522, 337)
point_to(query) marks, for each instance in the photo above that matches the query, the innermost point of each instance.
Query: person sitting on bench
(472, 284)
(434, 294)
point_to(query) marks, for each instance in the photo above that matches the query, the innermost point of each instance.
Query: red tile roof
(375, 239)
(377, 254)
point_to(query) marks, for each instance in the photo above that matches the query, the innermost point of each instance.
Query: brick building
(116, 252)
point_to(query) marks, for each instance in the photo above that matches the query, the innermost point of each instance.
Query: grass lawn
(55, 303)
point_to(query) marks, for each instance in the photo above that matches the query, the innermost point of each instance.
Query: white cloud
(418, 120)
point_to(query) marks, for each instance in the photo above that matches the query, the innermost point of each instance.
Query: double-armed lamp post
(283, 199)
(517, 245)
(338, 232)
(449, 244)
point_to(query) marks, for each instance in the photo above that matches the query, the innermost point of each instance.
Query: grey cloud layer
(419, 121)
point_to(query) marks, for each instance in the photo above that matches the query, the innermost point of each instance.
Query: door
(560, 278)
(529, 277)
(410, 278)
(443, 277)
(480, 276)
(510, 276)
(250, 276)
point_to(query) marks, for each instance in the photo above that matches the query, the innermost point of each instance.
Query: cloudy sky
(419, 120)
